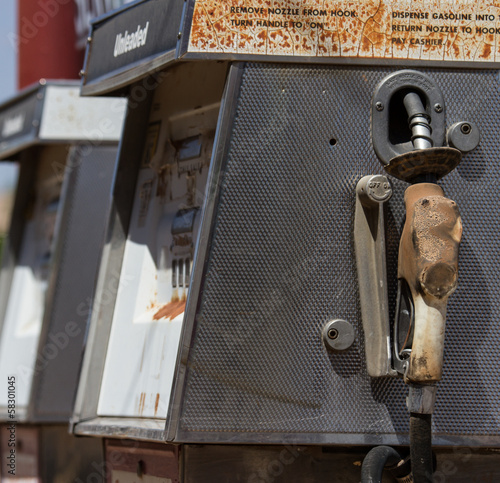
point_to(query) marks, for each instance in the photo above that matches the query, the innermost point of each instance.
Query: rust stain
(365, 44)
(182, 240)
(428, 261)
(485, 54)
(142, 402)
(430, 241)
(172, 309)
(386, 29)
(156, 403)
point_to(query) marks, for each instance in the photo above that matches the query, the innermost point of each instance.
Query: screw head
(438, 107)
(379, 106)
(466, 128)
(333, 333)
(338, 335)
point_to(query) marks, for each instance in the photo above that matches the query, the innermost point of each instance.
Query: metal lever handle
(369, 241)
(428, 261)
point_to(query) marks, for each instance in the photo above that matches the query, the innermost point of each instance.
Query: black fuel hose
(375, 461)
(422, 466)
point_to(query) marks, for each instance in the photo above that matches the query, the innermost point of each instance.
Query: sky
(8, 76)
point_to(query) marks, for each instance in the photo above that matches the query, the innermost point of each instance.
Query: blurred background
(8, 85)
(40, 39)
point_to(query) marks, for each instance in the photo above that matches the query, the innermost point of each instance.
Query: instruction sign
(460, 30)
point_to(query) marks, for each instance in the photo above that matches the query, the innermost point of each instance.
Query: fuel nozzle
(428, 263)
(428, 249)
(428, 252)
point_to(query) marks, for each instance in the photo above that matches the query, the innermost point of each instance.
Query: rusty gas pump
(428, 252)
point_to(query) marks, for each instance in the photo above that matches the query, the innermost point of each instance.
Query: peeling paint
(428, 261)
(366, 29)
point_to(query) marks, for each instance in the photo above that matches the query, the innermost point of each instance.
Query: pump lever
(369, 241)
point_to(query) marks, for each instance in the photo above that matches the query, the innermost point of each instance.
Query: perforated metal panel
(280, 264)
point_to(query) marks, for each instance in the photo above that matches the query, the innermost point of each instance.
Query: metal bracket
(391, 135)
(369, 241)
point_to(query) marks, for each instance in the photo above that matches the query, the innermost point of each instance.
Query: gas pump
(66, 148)
(428, 251)
(253, 149)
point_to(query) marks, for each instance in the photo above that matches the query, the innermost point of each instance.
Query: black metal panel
(281, 264)
(86, 198)
(17, 121)
(162, 20)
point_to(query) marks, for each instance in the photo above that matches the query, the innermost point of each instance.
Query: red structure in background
(46, 41)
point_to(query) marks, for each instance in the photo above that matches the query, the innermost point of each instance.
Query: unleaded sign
(463, 30)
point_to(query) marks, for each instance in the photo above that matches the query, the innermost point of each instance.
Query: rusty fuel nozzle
(428, 261)
(428, 250)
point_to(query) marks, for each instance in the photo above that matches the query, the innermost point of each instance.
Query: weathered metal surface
(53, 112)
(67, 116)
(419, 30)
(428, 261)
(437, 161)
(25, 308)
(319, 464)
(20, 447)
(157, 262)
(369, 241)
(171, 310)
(132, 461)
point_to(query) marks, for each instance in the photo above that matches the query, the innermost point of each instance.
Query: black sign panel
(133, 34)
(16, 122)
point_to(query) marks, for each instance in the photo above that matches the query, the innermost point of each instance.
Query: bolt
(333, 333)
(82, 73)
(379, 106)
(438, 107)
(466, 128)
(179, 35)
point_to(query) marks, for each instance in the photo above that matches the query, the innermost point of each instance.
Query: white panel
(148, 315)
(23, 318)
(22, 325)
(67, 116)
(149, 309)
